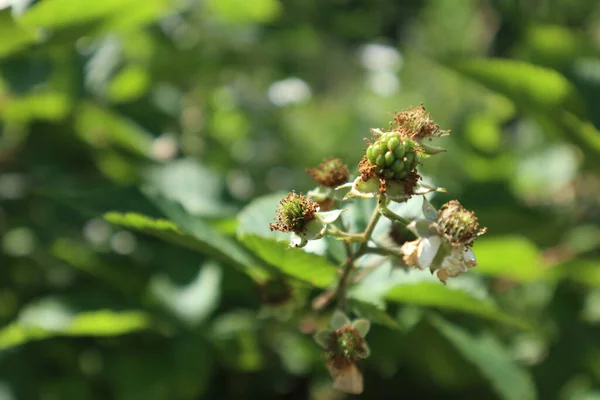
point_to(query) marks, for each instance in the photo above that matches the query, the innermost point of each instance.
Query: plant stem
(347, 237)
(348, 265)
(393, 216)
(382, 251)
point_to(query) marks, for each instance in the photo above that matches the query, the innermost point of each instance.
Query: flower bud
(332, 172)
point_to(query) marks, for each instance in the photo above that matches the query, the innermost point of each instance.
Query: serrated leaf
(432, 294)
(203, 239)
(95, 323)
(373, 313)
(510, 380)
(513, 257)
(310, 268)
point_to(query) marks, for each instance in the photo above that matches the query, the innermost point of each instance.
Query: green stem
(348, 265)
(382, 251)
(393, 216)
(347, 237)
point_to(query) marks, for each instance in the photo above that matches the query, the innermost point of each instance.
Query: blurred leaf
(431, 294)
(235, 337)
(99, 126)
(107, 323)
(59, 13)
(95, 323)
(258, 214)
(190, 184)
(52, 106)
(582, 271)
(528, 85)
(203, 239)
(373, 313)
(81, 257)
(244, 11)
(14, 37)
(511, 257)
(129, 84)
(194, 302)
(93, 199)
(136, 14)
(585, 131)
(293, 262)
(510, 380)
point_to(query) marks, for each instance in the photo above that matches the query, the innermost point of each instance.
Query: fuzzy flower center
(294, 212)
(458, 225)
(346, 345)
(417, 124)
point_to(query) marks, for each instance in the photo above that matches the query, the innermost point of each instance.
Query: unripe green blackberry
(393, 155)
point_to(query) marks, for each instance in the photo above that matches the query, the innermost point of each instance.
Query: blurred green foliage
(133, 132)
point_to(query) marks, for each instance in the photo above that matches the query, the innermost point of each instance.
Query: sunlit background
(198, 107)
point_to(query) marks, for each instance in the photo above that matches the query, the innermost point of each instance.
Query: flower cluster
(388, 171)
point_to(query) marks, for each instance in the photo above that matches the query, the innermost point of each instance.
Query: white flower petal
(320, 193)
(364, 190)
(339, 319)
(322, 338)
(428, 210)
(314, 229)
(329, 217)
(362, 326)
(469, 258)
(297, 240)
(422, 188)
(421, 228)
(428, 248)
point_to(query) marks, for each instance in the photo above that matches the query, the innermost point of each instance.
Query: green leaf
(59, 13)
(510, 380)
(513, 257)
(433, 294)
(245, 11)
(310, 268)
(582, 271)
(526, 84)
(43, 105)
(256, 217)
(14, 37)
(129, 84)
(373, 313)
(202, 239)
(95, 323)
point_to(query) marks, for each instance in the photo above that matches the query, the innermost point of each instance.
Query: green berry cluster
(393, 154)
